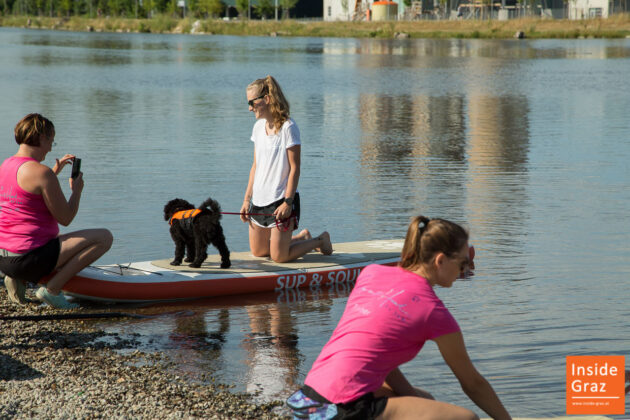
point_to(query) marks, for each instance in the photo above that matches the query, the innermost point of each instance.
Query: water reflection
(254, 341)
(460, 48)
(498, 149)
(419, 140)
(272, 351)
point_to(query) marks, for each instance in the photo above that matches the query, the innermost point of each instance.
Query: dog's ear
(167, 210)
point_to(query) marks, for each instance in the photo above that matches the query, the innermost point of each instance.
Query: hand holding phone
(76, 167)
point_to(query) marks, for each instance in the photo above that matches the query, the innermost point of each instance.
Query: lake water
(527, 143)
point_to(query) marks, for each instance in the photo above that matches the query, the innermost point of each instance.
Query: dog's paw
(194, 265)
(226, 264)
(175, 262)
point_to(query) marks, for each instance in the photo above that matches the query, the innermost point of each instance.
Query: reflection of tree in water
(191, 334)
(420, 139)
(272, 353)
(499, 132)
(498, 192)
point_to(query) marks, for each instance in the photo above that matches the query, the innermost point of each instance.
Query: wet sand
(69, 369)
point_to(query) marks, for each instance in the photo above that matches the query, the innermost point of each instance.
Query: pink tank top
(25, 221)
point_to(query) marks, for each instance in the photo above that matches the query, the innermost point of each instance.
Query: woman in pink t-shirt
(390, 314)
(32, 205)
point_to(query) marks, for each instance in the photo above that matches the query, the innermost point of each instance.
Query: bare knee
(469, 415)
(259, 253)
(105, 238)
(280, 257)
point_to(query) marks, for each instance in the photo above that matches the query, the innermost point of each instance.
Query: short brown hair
(31, 128)
(428, 237)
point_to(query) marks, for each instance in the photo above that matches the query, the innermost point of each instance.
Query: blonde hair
(428, 237)
(277, 102)
(30, 128)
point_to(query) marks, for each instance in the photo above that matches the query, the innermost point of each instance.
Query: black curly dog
(194, 230)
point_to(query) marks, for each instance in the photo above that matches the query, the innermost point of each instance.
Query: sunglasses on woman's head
(251, 101)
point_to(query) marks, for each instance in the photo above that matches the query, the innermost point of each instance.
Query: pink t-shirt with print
(390, 314)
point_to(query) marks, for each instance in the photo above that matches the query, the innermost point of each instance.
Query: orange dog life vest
(184, 214)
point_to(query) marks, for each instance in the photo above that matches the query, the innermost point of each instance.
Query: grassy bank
(617, 26)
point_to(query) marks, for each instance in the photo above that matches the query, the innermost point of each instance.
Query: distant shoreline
(617, 26)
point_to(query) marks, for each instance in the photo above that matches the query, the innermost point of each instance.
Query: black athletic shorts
(270, 221)
(366, 407)
(33, 265)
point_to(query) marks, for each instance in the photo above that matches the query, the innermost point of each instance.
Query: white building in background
(344, 9)
(586, 9)
(338, 9)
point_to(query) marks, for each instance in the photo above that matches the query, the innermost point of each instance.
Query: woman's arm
(40, 179)
(401, 386)
(248, 191)
(473, 383)
(293, 154)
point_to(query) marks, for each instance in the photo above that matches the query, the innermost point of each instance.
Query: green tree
(265, 8)
(207, 8)
(65, 6)
(241, 7)
(286, 5)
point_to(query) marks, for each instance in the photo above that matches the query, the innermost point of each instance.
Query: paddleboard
(149, 281)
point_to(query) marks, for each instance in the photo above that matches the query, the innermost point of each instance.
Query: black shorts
(33, 265)
(366, 407)
(270, 220)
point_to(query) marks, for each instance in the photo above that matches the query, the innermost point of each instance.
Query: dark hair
(277, 102)
(428, 237)
(30, 129)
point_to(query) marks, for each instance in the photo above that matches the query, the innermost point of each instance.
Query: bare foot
(326, 247)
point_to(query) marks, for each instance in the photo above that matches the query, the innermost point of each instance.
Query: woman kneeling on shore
(32, 205)
(390, 314)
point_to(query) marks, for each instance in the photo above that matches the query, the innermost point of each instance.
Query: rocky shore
(67, 369)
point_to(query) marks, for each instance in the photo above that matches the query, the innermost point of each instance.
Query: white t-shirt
(272, 163)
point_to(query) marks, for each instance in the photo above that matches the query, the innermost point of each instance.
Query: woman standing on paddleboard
(390, 314)
(272, 203)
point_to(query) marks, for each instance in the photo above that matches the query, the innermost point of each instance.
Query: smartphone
(76, 167)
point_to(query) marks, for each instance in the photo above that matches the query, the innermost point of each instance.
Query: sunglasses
(251, 101)
(464, 265)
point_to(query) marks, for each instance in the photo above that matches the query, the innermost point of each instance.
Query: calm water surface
(527, 143)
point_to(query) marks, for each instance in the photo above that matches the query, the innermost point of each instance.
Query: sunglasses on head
(251, 101)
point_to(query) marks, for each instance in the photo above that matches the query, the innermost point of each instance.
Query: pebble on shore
(60, 369)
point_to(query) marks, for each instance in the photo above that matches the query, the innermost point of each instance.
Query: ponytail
(277, 101)
(428, 237)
